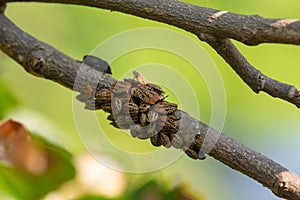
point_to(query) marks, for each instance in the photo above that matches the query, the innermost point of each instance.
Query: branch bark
(42, 60)
(251, 30)
(250, 75)
(218, 26)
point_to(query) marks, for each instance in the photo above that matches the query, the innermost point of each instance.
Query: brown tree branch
(251, 30)
(250, 75)
(43, 60)
(220, 25)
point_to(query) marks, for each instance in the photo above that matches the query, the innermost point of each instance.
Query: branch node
(35, 60)
(261, 82)
(216, 15)
(293, 92)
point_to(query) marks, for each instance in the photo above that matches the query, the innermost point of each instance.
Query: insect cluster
(140, 106)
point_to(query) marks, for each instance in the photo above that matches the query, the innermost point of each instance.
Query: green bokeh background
(268, 125)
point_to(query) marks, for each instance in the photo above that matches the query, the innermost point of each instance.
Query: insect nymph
(147, 92)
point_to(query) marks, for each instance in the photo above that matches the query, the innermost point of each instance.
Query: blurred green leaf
(91, 197)
(153, 189)
(150, 190)
(182, 192)
(158, 190)
(23, 185)
(8, 101)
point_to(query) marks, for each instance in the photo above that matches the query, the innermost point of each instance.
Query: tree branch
(42, 60)
(216, 25)
(251, 30)
(250, 75)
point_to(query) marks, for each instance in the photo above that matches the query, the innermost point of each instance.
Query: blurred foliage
(21, 179)
(153, 190)
(8, 101)
(23, 184)
(258, 121)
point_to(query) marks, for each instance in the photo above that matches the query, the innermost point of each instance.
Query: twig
(251, 30)
(42, 60)
(250, 75)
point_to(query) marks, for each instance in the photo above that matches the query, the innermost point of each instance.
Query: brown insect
(147, 95)
(194, 154)
(144, 119)
(191, 153)
(160, 122)
(194, 148)
(117, 105)
(165, 140)
(171, 125)
(168, 107)
(151, 129)
(141, 79)
(155, 140)
(144, 107)
(147, 92)
(103, 95)
(106, 107)
(134, 130)
(131, 108)
(110, 118)
(124, 121)
(104, 85)
(135, 118)
(158, 108)
(153, 116)
(156, 88)
(121, 87)
(138, 131)
(177, 114)
(143, 134)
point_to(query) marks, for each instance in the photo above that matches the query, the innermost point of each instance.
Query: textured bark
(256, 80)
(251, 30)
(215, 27)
